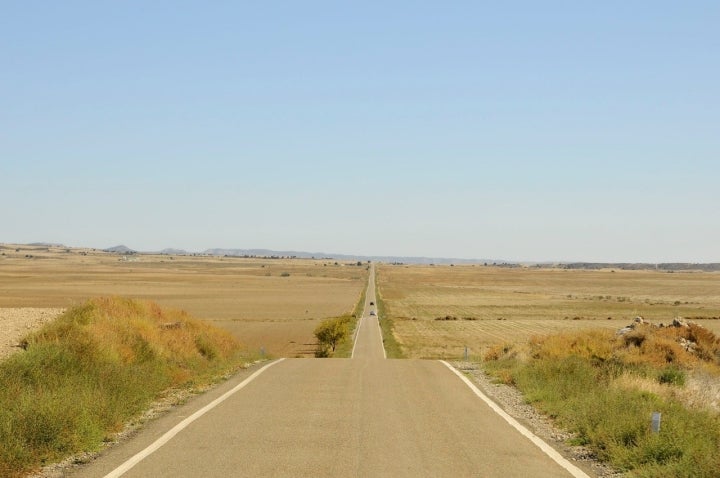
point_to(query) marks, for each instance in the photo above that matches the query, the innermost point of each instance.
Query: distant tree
(330, 333)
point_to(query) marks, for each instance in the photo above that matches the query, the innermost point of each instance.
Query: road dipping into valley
(367, 416)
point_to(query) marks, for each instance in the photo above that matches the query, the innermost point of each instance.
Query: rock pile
(678, 322)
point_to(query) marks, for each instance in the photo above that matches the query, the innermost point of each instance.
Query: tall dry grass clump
(604, 387)
(98, 365)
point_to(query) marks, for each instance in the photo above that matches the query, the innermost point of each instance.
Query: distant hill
(262, 253)
(172, 251)
(45, 244)
(120, 250)
(665, 266)
(269, 253)
(346, 257)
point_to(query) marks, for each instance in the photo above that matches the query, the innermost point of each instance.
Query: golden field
(494, 305)
(274, 304)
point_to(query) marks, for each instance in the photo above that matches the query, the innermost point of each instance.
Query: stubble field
(269, 304)
(490, 305)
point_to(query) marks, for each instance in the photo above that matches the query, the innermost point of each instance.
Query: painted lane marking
(125, 467)
(357, 334)
(382, 343)
(547, 449)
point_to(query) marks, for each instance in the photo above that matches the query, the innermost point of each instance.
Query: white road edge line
(382, 342)
(357, 333)
(125, 467)
(547, 449)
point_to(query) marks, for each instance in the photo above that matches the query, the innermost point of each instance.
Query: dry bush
(593, 344)
(707, 343)
(496, 352)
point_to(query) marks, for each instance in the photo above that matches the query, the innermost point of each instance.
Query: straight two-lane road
(361, 417)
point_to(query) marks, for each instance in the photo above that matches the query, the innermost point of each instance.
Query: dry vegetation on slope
(82, 376)
(604, 388)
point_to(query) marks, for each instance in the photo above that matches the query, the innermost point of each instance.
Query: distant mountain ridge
(45, 244)
(121, 249)
(232, 252)
(177, 252)
(350, 257)
(631, 266)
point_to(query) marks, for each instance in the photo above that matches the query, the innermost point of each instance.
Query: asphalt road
(362, 417)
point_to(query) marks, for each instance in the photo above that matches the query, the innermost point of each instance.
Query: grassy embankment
(86, 374)
(393, 349)
(604, 388)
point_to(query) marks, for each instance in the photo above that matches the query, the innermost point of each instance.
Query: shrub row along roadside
(334, 335)
(604, 388)
(84, 375)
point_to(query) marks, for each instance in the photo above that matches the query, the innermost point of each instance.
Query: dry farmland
(270, 303)
(494, 305)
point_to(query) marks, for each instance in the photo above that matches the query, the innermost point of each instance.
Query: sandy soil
(15, 323)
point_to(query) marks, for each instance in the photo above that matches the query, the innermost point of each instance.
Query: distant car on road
(372, 303)
(372, 312)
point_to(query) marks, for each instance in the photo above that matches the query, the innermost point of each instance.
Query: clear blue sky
(517, 130)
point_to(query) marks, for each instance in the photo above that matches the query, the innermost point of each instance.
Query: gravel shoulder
(17, 322)
(512, 401)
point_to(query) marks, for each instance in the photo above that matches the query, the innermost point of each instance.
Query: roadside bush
(584, 381)
(330, 333)
(672, 375)
(98, 365)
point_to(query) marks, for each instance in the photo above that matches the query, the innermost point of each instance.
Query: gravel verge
(511, 400)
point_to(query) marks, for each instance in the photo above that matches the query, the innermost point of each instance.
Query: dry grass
(701, 390)
(603, 388)
(513, 305)
(271, 304)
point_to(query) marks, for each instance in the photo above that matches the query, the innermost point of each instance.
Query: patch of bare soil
(16, 323)
(511, 400)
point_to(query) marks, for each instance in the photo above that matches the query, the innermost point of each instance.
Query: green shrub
(330, 333)
(672, 375)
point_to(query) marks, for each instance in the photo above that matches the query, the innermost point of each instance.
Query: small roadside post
(655, 422)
